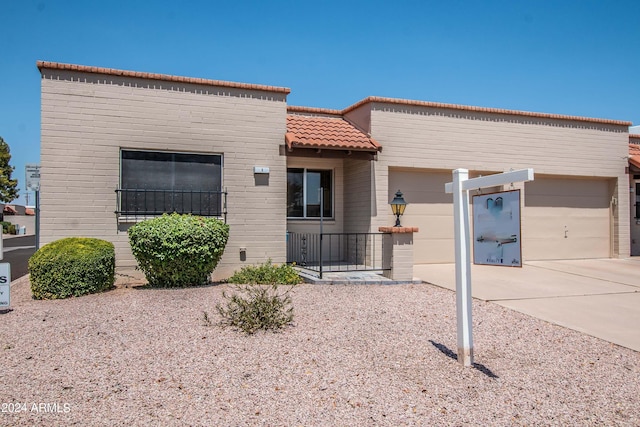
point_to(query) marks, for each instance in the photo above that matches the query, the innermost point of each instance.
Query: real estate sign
(496, 229)
(32, 172)
(5, 285)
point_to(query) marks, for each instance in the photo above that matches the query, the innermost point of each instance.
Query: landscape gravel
(356, 355)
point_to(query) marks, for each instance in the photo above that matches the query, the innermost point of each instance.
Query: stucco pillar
(399, 254)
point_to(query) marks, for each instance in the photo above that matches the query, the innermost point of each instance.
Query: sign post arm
(463, 267)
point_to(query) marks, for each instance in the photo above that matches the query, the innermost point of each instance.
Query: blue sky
(574, 57)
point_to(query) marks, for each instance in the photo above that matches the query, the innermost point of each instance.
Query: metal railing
(135, 203)
(338, 252)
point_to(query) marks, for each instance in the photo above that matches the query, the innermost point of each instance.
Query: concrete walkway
(599, 297)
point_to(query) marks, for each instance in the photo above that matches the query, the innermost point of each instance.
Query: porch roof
(328, 133)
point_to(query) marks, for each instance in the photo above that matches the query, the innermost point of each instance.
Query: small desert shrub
(267, 274)
(255, 307)
(178, 250)
(73, 266)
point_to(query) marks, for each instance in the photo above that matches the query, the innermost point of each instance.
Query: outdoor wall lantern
(398, 205)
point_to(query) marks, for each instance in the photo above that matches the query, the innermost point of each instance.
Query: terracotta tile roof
(332, 133)
(634, 153)
(29, 211)
(481, 110)
(8, 209)
(153, 76)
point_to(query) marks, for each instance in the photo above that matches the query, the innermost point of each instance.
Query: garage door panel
(541, 249)
(434, 221)
(419, 187)
(433, 250)
(430, 209)
(546, 224)
(570, 193)
(555, 205)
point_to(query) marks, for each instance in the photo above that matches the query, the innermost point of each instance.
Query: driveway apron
(599, 297)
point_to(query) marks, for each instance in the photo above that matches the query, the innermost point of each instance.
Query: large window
(304, 190)
(155, 182)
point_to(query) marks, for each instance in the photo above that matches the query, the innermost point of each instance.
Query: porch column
(399, 254)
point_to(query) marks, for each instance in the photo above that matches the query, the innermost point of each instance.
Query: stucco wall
(87, 118)
(359, 202)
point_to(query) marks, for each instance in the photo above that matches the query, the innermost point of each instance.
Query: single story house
(122, 143)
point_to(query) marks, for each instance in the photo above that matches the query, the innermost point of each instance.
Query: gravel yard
(356, 356)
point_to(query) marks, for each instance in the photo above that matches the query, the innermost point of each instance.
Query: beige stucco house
(119, 143)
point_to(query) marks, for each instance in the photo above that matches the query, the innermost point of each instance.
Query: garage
(567, 218)
(563, 218)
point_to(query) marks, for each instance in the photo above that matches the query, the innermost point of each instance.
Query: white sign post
(460, 188)
(5, 285)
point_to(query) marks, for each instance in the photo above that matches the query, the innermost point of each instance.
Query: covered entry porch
(330, 169)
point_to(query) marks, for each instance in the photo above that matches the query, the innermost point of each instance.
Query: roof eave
(408, 102)
(47, 65)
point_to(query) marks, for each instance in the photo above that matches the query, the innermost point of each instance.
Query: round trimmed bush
(178, 250)
(72, 267)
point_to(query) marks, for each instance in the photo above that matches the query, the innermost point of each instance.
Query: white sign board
(496, 229)
(32, 172)
(5, 285)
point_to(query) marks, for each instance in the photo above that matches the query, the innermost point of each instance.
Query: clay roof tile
(333, 133)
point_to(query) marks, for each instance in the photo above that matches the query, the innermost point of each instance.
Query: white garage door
(566, 219)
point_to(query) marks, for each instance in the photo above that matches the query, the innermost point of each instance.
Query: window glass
(295, 192)
(156, 182)
(303, 193)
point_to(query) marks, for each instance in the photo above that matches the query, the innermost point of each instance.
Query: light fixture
(398, 205)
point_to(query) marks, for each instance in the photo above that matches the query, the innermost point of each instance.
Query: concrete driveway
(600, 297)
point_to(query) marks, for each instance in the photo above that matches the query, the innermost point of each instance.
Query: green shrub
(8, 228)
(73, 266)
(255, 307)
(267, 274)
(178, 250)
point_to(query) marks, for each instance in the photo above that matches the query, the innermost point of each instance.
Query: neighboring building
(153, 136)
(22, 217)
(634, 189)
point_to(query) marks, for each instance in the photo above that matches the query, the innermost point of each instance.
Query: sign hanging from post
(496, 229)
(32, 172)
(5, 285)
(460, 187)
